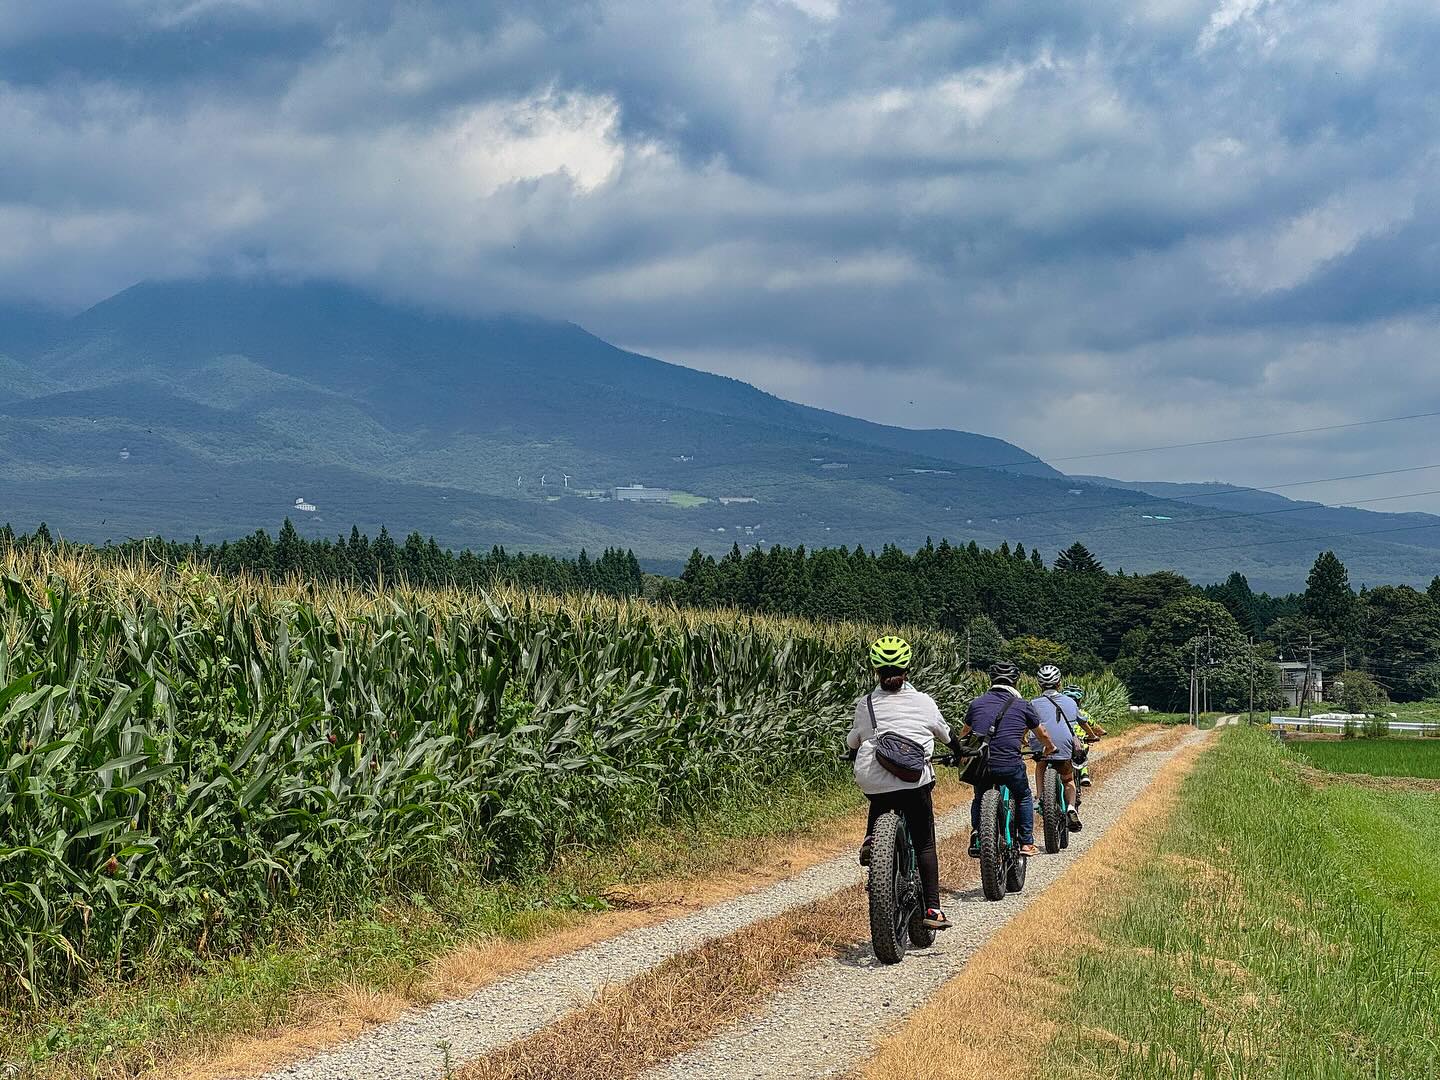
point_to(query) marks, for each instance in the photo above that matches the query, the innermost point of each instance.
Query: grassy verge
(1171, 719)
(1374, 757)
(121, 1030)
(1276, 930)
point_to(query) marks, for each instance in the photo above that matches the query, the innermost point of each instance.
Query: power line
(1289, 540)
(1130, 526)
(1227, 489)
(1247, 438)
(953, 467)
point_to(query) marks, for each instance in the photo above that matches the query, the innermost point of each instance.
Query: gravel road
(829, 1020)
(421, 1044)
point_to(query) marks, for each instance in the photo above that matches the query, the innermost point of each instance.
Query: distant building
(1292, 682)
(641, 493)
(727, 500)
(304, 507)
(835, 465)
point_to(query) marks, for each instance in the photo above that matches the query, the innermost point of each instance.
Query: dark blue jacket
(1005, 740)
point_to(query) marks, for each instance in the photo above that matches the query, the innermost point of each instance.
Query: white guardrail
(1338, 723)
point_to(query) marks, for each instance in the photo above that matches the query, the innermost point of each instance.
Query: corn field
(184, 759)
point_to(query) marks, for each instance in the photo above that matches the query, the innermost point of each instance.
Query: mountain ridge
(210, 407)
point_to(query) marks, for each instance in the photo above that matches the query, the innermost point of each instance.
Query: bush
(1360, 693)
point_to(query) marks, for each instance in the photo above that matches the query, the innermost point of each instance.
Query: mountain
(1418, 529)
(214, 407)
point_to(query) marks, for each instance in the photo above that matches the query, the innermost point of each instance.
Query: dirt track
(826, 1021)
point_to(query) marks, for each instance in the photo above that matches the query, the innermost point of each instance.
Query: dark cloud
(1173, 218)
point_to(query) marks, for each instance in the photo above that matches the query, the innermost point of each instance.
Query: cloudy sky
(1080, 226)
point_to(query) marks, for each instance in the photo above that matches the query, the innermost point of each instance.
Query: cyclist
(1086, 730)
(1059, 715)
(901, 709)
(1003, 716)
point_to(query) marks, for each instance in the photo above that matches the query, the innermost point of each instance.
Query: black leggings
(918, 808)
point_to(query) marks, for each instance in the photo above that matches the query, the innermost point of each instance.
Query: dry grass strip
(1322, 778)
(1021, 960)
(634, 1026)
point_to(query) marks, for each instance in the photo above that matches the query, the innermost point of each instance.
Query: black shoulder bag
(977, 757)
(902, 758)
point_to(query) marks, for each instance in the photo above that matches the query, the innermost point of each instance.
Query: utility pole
(1194, 685)
(1250, 656)
(1309, 664)
(1209, 663)
(967, 646)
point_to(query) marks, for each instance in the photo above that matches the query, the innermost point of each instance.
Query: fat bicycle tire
(921, 936)
(1052, 809)
(992, 846)
(1015, 872)
(887, 870)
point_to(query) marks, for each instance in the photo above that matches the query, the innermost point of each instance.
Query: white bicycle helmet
(1049, 676)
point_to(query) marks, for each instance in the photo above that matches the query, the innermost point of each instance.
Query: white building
(640, 493)
(1292, 682)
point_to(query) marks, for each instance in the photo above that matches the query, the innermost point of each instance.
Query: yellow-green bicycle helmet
(890, 651)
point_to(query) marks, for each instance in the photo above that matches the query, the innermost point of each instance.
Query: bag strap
(1008, 705)
(870, 704)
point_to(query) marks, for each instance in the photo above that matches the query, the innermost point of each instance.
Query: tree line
(1151, 629)
(358, 560)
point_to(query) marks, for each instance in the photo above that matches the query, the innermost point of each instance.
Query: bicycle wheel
(1065, 813)
(993, 845)
(912, 895)
(1052, 809)
(1015, 863)
(888, 918)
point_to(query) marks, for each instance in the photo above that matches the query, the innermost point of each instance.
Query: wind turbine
(567, 481)
(542, 480)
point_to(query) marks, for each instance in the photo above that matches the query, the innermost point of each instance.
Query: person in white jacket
(900, 708)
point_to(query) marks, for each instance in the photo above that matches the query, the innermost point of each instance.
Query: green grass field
(1273, 930)
(687, 500)
(1374, 757)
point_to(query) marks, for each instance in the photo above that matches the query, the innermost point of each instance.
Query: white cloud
(1229, 15)
(1179, 215)
(1285, 254)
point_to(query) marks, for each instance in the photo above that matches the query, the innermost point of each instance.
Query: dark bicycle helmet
(1004, 671)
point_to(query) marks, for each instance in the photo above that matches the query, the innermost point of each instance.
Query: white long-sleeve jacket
(906, 712)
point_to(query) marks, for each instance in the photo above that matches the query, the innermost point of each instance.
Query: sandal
(1028, 850)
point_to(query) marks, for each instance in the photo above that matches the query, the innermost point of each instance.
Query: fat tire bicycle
(897, 898)
(1002, 867)
(1054, 809)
